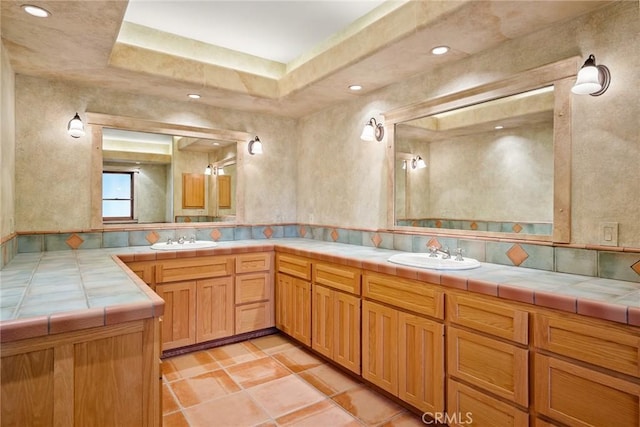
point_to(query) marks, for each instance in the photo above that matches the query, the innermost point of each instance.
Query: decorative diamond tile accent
(215, 234)
(517, 228)
(414, 223)
(517, 254)
(152, 237)
(187, 219)
(302, 231)
(268, 232)
(474, 226)
(74, 241)
(434, 242)
(376, 239)
(335, 235)
(636, 267)
(439, 224)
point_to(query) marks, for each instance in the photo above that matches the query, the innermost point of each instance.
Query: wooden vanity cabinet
(403, 351)
(254, 294)
(586, 371)
(197, 292)
(335, 313)
(293, 297)
(146, 270)
(487, 358)
(107, 375)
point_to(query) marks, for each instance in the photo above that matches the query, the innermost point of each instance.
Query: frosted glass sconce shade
(255, 146)
(208, 170)
(372, 131)
(592, 79)
(418, 163)
(75, 128)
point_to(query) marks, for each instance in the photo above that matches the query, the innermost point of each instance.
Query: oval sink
(422, 260)
(199, 244)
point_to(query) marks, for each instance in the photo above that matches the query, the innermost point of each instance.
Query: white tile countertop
(42, 290)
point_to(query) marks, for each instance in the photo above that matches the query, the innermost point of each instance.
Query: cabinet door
(224, 191)
(578, 396)
(179, 319)
(322, 321)
(300, 309)
(253, 287)
(284, 288)
(421, 362)
(215, 309)
(253, 317)
(380, 345)
(467, 406)
(192, 191)
(493, 365)
(346, 329)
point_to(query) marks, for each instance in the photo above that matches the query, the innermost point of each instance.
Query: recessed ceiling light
(355, 88)
(440, 50)
(35, 11)
(499, 127)
(194, 96)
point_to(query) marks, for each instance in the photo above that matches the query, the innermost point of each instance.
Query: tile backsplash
(618, 265)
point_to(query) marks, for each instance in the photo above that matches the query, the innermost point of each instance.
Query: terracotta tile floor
(269, 381)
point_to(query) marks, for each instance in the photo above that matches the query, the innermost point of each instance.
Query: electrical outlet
(609, 233)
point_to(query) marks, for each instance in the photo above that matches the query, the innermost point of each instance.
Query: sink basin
(422, 260)
(186, 246)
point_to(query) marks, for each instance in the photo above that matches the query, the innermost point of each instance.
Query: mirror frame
(561, 75)
(98, 121)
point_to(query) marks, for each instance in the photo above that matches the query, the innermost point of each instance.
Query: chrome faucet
(181, 239)
(458, 253)
(445, 252)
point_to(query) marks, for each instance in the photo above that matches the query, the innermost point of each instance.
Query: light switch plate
(608, 233)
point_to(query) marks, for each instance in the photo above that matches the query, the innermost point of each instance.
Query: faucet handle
(433, 251)
(458, 252)
(192, 239)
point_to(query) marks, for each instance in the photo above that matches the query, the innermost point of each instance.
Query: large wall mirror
(490, 161)
(146, 172)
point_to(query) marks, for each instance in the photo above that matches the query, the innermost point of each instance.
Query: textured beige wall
(495, 176)
(342, 179)
(319, 171)
(7, 145)
(53, 169)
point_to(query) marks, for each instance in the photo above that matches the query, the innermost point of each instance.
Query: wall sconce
(208, 170)
(255, 146)
(219, 170)
(75, 128)
(372, 130)
(418, 163)
(592, 79)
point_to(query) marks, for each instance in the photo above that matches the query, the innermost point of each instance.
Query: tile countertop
(51, 292)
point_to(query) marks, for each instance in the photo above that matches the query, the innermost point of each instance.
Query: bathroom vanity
(494, 342)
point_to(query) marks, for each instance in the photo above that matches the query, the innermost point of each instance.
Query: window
(117, 196)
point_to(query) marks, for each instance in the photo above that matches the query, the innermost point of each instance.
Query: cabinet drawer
(294, 266)
(405, 294)
(252, 317)
(471, 407)
(173, 270)
(491, 317)
(250, 263)
(594, 342)
(579, 396)
(253, 287)
(495, 366)
(338, 277)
